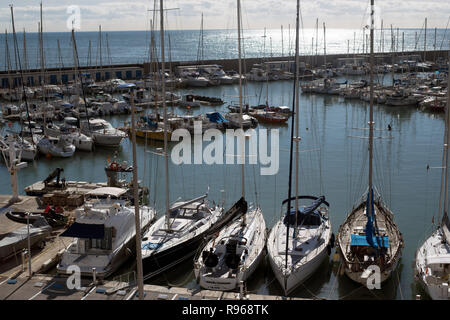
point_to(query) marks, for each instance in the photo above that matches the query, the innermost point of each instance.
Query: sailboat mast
(240, 93)
(324, 46)
(78, 74)
(41, 46)
(21, 74)
(393, 54)
(425, 42)
(25, 58)
(163, 87)
(317, 40)
(296, 114)
(294, 111)
(447, 142)
(372, 8)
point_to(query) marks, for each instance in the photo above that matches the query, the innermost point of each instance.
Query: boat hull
(161, 261)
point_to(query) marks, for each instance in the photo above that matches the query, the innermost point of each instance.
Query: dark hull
(164, 260)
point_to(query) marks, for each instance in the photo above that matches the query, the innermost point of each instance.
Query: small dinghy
(17, 240)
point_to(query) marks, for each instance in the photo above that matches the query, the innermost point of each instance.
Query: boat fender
(114, 166)
(332, 240)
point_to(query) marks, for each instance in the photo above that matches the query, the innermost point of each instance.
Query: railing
(124, 280)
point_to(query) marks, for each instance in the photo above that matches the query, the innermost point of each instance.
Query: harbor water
(333, 163)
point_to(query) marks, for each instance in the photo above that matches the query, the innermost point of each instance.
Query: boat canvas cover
(358, 240)
(306, 216)
(126, 85)
(150, 123)
(107, 191)
(370, 210)
(216, 117)
(84, 230)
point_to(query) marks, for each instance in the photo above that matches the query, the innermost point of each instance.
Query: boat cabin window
(103, 244)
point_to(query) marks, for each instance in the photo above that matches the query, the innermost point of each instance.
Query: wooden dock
(15, 283)
(44, 287)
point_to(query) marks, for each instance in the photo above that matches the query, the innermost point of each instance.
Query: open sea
(128, 47)
(333, 157)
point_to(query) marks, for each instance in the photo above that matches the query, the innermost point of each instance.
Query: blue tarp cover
(216, 117)
(358, 240)
(150, 123)
(84, 230)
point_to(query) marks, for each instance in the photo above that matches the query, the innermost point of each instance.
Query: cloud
(257, 14)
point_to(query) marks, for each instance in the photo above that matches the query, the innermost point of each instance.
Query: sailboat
(432, 265)
(369, 237)
(177, 235)
(300, 241)
(233, 255)
(148, 128)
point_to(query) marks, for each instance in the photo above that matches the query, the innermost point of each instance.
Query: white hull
(197, 82)
(295, 279)
(301, 263)
(55, 151)
(107, 262)
(221, 277)
(107, 140)
(432, 277)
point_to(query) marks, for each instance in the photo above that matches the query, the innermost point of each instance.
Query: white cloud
(133, 14)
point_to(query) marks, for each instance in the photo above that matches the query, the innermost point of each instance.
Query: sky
(116, 15)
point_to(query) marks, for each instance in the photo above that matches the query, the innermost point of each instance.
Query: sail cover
(306, 216)
(84, 230)
(369, 226)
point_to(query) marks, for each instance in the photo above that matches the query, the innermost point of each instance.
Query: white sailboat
(369, 239)
(301, 240)
(432, 265)
(234, 254)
